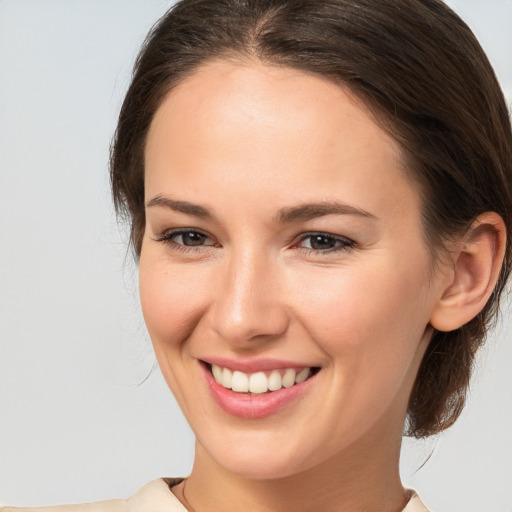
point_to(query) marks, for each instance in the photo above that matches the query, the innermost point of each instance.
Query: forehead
(273, 98)
(249, 125)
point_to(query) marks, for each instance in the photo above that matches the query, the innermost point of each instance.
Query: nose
(249, 305)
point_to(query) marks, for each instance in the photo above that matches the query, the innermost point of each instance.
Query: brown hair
(417, 65)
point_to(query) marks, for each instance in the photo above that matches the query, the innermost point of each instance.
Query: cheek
(170, 301)
(370, 315)
(371, 327)
(171, 304)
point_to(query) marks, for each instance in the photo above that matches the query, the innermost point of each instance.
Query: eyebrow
(303, 212)
(310, 211)
(180, 206)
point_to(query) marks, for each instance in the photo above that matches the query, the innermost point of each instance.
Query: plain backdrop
(82, 415)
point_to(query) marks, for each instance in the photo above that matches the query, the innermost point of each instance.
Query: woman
(320, 200)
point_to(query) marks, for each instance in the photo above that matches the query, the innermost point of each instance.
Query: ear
(472, 274)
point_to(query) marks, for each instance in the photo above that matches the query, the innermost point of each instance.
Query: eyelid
(342, 243)
(345, 245)
(167, 237)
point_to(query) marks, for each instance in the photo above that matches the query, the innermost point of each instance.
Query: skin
(246, 141)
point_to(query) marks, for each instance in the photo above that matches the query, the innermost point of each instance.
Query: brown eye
(184, 238)
(323, 242)
(190, 238)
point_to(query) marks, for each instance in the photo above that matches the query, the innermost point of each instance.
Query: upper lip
(255, 365)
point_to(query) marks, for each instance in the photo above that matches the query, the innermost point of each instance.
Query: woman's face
(282, 240)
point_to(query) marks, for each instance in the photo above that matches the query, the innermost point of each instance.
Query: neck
(364, 479)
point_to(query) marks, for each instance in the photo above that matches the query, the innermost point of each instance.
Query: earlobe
(476, 263)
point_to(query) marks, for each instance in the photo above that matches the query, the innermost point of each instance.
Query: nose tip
(249, 306)
(239, 327)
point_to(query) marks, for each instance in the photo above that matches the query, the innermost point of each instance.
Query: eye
(324, 242)
(190, 238)
(186, 239)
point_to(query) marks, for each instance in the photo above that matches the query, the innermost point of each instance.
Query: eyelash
(169, 236)
(343, 244)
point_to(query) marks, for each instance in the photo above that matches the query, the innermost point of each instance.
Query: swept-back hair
(419, 69)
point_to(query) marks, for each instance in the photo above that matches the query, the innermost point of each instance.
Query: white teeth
(258, 382)
(289, 378)
(227, 377)
(240, 382)
(302, 376)
(274, 381)
(217, 373)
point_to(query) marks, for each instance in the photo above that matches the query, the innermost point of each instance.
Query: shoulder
(415, 504)
(153, 497)
(156, 497)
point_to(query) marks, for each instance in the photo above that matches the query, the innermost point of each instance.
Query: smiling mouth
(262, 382)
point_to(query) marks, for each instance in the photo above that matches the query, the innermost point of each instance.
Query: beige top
(155, 497)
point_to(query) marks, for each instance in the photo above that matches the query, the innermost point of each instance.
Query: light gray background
(78, 422)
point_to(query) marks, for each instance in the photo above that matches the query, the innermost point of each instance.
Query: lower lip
(256, 406)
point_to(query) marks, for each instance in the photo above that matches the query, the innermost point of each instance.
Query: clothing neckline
(166, 501)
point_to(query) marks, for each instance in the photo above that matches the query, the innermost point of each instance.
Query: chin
(263, 458)
(260, 467)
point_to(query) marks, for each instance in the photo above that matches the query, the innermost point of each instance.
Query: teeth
(302, 376)
(227, 377)
(274, 381)
(217, 373)
(289, 378)
(258, 382)
(240, 382)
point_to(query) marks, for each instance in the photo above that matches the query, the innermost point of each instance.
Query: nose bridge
(248, 304)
